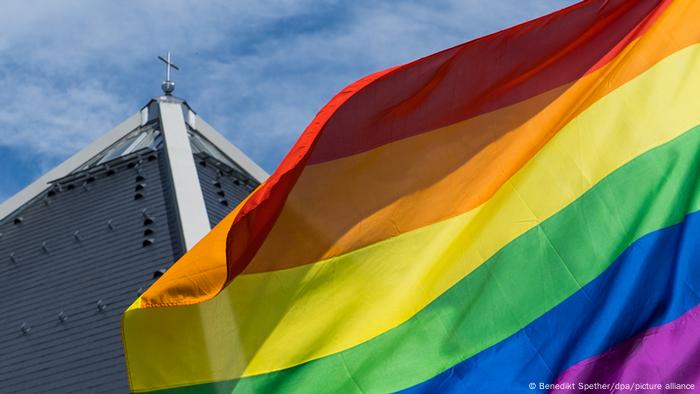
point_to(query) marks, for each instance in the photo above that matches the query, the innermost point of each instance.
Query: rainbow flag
(518, 213)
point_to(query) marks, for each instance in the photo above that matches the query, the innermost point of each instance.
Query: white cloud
(257, 70)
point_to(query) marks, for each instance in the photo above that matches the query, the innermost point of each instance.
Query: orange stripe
(198, 275)
(345, 204)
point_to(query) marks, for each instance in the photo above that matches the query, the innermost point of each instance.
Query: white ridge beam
(194, 221)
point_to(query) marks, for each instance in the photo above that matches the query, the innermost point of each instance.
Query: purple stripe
(659, 357)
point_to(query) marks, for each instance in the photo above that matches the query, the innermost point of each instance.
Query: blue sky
(256, 70)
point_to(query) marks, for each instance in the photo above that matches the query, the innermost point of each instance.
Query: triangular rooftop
(79, 244)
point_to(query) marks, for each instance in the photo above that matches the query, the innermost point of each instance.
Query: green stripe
(517, 285)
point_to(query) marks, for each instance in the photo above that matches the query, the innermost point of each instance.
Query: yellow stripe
(270, 321)
(134, 305)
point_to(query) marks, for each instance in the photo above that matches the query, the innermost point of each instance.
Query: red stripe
(483, 75)
(441, 89)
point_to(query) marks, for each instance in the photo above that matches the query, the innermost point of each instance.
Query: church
(80, 243)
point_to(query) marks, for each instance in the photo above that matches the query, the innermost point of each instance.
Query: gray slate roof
(222, 191)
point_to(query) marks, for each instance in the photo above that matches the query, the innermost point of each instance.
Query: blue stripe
(653, 282)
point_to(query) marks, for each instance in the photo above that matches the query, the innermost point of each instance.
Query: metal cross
(168, 86)
(168, 64)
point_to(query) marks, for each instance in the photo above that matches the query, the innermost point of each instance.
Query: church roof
(79, 244)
